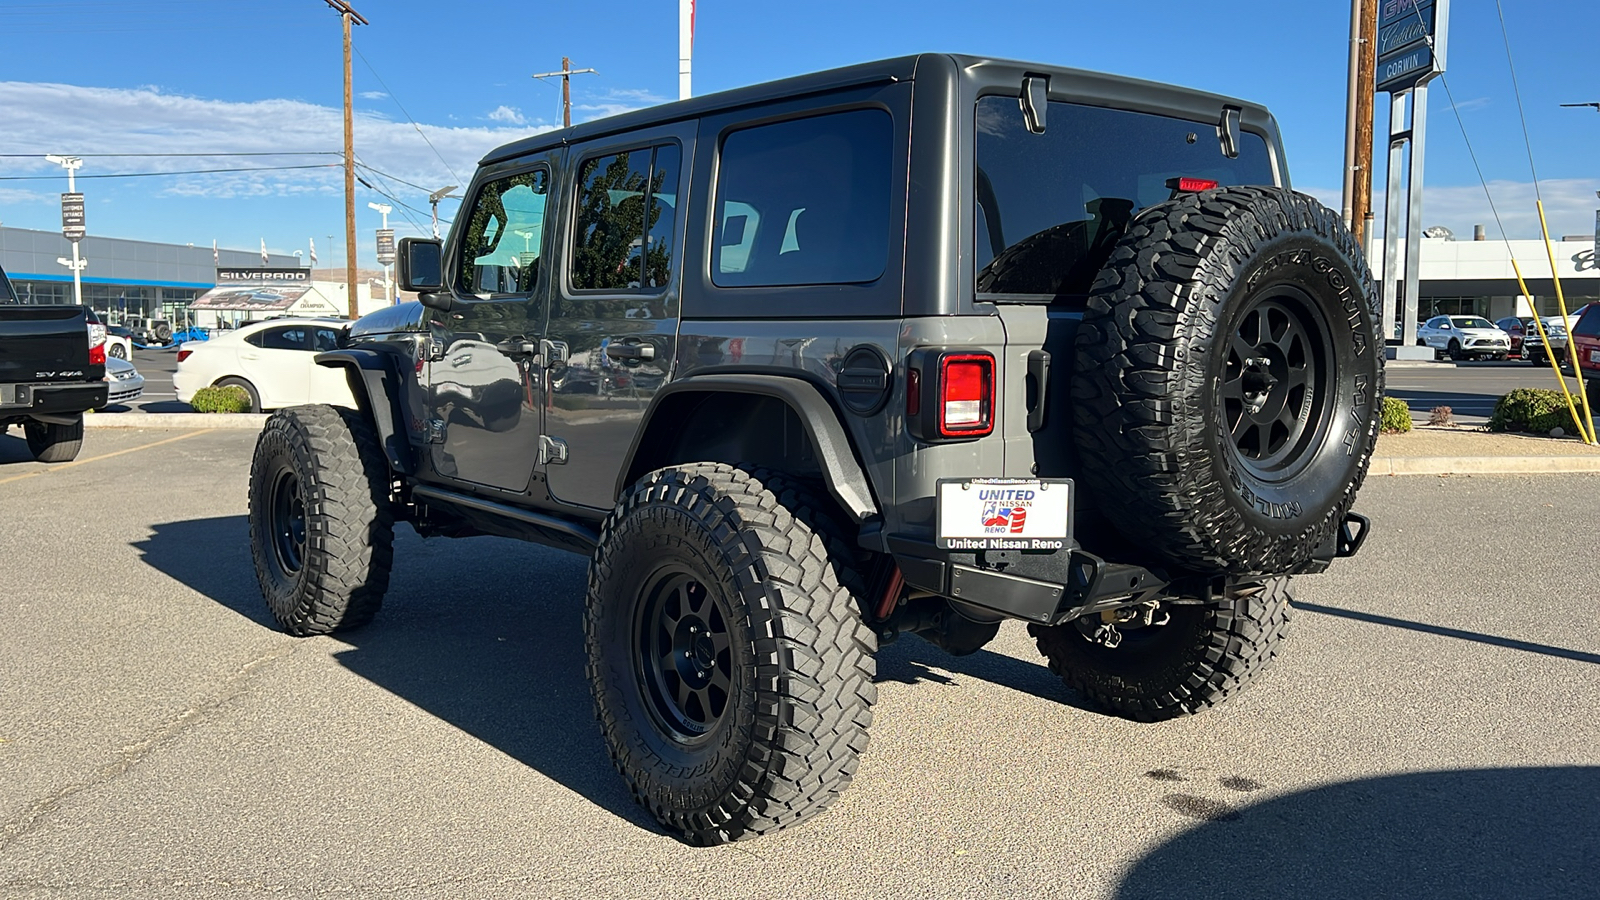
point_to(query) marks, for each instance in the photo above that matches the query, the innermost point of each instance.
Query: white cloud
(507, 114)
(614, 102)
(1569, 207)
(373, 95)
(87, 120)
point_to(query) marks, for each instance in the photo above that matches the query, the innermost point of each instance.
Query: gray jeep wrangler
(919, 345)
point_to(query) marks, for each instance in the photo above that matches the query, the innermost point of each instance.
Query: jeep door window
(625, 220)
(503, 235)
(804, 201)
(1049, 207)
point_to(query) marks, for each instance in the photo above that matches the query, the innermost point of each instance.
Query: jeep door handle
(631, 351)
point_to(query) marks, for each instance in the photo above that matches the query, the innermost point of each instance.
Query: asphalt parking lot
(1469, 388)
(1431, 731)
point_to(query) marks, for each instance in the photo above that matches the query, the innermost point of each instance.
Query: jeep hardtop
(919, 345)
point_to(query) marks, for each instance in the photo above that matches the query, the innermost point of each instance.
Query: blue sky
(263, 76)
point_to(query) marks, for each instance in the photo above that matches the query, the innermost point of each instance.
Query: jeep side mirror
(421, 265)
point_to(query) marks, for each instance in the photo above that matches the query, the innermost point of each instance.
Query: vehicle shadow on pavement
(211, 556)
(1513, 832)
(498, 655)
(14, 448)
(911, 660)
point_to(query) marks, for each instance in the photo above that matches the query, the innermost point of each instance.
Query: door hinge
(435, 431)
(552, 451)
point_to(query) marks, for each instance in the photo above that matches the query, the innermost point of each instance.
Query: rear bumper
(1081, 583)
(22, 400)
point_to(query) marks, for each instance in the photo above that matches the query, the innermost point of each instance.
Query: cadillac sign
(1410, 42)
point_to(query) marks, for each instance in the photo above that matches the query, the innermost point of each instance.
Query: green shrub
(1531, 409)
(1396, 416)
(226, 399)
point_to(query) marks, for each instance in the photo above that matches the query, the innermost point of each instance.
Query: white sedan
(1464, 336)
(274, 361)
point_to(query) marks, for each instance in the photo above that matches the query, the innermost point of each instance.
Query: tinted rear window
(1051, 206)
(804, 201)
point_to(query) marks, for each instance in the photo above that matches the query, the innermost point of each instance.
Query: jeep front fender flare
(375, 383)
(846, 480)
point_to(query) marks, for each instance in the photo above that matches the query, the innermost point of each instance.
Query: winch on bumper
(1051, 588)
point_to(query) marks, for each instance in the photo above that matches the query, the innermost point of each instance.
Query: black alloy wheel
(321, 524)
(1275, 383)
(731, 668)
(1226, 381)
(286, 522)
(682, 643)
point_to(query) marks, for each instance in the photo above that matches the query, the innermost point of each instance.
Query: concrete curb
(1483, 465)
(252, 421)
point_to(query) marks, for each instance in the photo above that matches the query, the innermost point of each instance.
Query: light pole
(72, 232)
(433, 199)
(386, 258)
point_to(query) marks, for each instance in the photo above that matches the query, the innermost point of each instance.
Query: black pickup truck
(52, 368)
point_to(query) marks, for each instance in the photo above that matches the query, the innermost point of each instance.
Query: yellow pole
(1583, 435)
(1586, 426)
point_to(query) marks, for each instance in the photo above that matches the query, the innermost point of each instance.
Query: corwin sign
(1410, 42)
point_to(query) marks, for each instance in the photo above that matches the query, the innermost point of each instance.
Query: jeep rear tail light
(966, 395)
(950, 394)
(1187, 185)
(184, 354)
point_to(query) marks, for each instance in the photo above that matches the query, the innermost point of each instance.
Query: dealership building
(126, 278)
(1475, 277)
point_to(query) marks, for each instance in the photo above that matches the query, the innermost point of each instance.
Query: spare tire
(1227, 379)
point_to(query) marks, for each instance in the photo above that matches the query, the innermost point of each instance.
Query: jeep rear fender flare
(846, 480)
(376, 383)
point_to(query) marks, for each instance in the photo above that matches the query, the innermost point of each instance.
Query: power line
(1517, 92)
(396, 201)
(407, 114)
(159, 174)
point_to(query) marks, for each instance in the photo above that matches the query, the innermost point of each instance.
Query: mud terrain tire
(321, 524)
(1200, 658)
(1227, 380)
(730, 664)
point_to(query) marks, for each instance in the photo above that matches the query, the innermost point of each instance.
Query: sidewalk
(1469, 451)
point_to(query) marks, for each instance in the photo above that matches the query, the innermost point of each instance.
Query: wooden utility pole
(1366, 87)
(566, 73)
(348, 14)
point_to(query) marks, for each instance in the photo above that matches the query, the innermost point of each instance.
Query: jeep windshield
(1050, 207)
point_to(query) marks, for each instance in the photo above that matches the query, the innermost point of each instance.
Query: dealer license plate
(1594, 356)
(1004, 514)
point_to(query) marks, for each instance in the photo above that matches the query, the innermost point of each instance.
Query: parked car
(52, 369)
(1464, 337)
(119, 342)
(273, 361)
(1585, 338)
(848, 408)
(1555, 331)
(1516, 327)
(126, 384)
